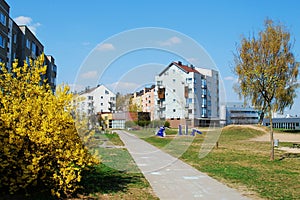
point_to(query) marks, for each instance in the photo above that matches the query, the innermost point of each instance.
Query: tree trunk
(261, 117)
(271, 136)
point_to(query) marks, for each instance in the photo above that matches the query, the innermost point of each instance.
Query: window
(106, 92)
(2, 41)
(15, 38)
(174, 90)
(90, 97)
(204, 112)
(101, 104)
(174, 100)
(189, 80)
(28, 44)
(174, 80)
(2, 18)
(33, 48)
(27, 60)
(174, 110)
(101, 97)
(203, 82)
(204, 102)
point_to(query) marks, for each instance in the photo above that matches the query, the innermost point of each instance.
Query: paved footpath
(171, 178)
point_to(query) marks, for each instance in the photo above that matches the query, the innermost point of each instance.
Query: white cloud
(23, 20)
(170, 42)
(230, 78)
(76, 87)
(89, 75)
(123, 87)
(105, 47)
(86, 43)
(194, 61)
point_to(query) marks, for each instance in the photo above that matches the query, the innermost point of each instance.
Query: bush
(129, 124)
(167, 124)
(39, 144)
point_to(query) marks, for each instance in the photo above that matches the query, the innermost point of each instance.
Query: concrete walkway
(171, 178)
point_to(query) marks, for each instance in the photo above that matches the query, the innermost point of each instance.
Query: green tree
(267, 71)
(39, 143)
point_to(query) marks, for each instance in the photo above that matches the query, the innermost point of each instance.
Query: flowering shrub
(39, 143)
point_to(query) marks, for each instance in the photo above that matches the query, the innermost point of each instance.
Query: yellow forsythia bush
(39, 144)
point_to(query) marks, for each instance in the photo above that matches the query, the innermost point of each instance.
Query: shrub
(167, 124)
(39, 144)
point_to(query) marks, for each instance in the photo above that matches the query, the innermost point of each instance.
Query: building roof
(185, 68)
(89, 90)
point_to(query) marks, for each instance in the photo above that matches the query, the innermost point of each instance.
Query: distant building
(117, 120)
(145, 100)
(238, 113)
(185, 94)
(97, 100)
(289, 123)
(18, 42)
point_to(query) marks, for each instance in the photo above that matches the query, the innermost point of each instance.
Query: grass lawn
(244, 164)
(117, 177)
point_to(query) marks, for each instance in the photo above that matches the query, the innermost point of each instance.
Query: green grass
(241, 163)
(111, 138)
(117, 177)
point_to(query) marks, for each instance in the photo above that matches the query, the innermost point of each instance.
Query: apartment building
(97, 100)
(18, 42)
(144, 101)
(187, 95)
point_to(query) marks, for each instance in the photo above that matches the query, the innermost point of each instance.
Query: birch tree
(267, 71)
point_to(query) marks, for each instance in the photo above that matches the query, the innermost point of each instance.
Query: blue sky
(70, 30)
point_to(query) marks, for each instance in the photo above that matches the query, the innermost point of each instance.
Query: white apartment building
(97, 100)
(185, 94)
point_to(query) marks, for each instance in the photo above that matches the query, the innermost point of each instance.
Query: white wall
(98, 100)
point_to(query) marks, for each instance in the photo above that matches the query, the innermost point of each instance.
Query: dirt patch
(282, 137)
(255, 127)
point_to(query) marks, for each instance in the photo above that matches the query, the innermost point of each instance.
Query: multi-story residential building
(18, 42)
(4, 30)
(135, 102)
(239, 113)
(144, 101)
(148, 101)
(187, 95)
(97, 100)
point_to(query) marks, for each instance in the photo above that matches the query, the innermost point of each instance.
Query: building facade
(18, 42)
(184, 95)
(288, 123)
(238, 113)
(144, 101)
(97, 100)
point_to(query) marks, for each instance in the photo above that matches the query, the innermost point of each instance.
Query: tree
(267, 71)
(39, 143)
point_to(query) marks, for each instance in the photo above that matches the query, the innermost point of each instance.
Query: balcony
(162, 106)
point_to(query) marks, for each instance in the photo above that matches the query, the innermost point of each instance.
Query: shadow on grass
(104, 180)
(100, 179)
